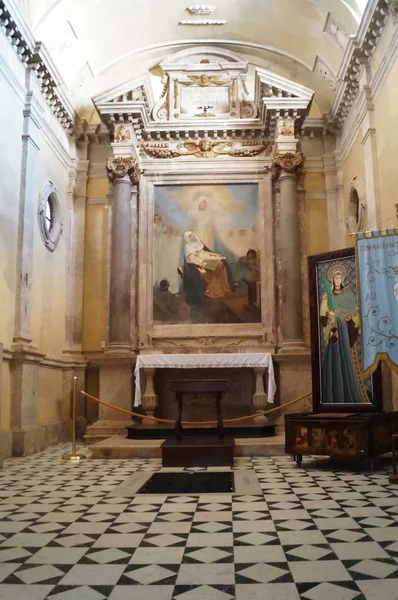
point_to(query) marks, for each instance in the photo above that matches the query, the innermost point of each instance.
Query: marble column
(286, 167)
(123, 173)
(116, 368)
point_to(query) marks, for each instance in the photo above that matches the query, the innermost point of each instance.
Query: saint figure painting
(339, 335)
(206, 253)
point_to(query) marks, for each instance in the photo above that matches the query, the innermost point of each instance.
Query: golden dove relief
(204, 80)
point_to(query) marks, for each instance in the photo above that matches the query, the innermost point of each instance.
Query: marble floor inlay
(78, 531)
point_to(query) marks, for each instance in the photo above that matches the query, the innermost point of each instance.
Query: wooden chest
(363, 435)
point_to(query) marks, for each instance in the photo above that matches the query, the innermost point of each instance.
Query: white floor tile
(25, 592)
(273, 591)
(378, 590)
(326, 570)
(219, 573)
(57, 556)
(93, 575)
(142, 592)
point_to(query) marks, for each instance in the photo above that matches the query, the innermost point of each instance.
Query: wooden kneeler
(201, 452)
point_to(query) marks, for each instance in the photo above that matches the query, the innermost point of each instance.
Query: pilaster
(369, 143)
(27, 204)
(26, 357)
(77, 194)
(334, 199)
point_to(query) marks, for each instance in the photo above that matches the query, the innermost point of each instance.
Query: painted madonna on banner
(336, 327)
(206, 254)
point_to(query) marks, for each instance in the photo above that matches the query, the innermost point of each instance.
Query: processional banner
(377, 271)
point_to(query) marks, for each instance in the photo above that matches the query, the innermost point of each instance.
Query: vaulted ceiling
(98, 44)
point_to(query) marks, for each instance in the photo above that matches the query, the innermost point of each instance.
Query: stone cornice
(33, 54)
(43, 360)
(358, 53)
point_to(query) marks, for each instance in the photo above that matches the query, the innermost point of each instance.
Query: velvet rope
(245, 418)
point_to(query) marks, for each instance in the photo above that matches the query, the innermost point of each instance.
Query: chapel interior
(178, 182)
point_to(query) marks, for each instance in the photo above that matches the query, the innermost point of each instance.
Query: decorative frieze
(120, 167)
(206, 149)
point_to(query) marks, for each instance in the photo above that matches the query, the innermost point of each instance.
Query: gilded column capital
(120, 167)
(290, 162)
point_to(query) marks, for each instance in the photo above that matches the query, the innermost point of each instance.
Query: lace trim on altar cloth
(202, 361)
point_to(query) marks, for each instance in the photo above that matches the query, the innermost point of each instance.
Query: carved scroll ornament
(290, 162)
(120, 167)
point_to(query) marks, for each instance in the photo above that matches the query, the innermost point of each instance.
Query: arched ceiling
(97, 44)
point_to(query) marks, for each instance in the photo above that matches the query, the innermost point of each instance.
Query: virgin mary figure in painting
(341, 376)
(206, 274)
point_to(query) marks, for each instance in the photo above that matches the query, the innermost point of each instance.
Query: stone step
(120, 446)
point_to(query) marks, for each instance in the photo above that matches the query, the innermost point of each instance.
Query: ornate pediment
(204, 95)
(204, 85)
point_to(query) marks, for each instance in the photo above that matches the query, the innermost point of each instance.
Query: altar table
(258, 362)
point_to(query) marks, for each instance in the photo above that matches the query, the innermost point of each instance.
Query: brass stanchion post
(74, 456)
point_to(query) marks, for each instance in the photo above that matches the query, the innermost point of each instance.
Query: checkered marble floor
(312, 534)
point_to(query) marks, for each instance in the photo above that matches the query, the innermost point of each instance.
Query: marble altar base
(294, 380)
(115, 387)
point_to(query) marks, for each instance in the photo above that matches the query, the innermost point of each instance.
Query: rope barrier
(245, 418)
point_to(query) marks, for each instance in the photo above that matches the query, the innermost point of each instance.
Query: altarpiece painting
(206, 254)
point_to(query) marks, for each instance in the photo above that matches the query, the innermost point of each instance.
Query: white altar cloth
(204, 361)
